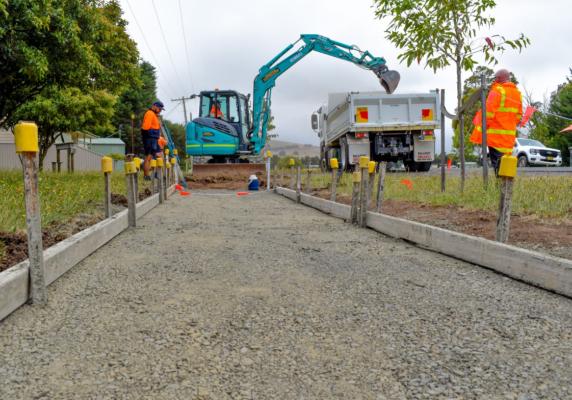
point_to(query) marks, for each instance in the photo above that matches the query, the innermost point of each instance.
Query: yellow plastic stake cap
(173, 160)
(175, 151)
(356, 177)
(137, 162)
(106, 164)
(363, 161)
(292, 162)
(334, 163)
(132, 116)
(168, 165)
(371, 167)
(159, 162)
(166, 151)
(508, 166)
(153, 164)
(268, 153)
(26, 137)
(130, 168)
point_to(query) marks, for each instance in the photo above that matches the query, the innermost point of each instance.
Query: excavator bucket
(389, 80)
(216, 168)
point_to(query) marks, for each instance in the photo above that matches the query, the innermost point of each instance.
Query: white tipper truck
(379, 126)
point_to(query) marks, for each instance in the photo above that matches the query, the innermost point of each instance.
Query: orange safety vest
(215, 112)
(504, 110)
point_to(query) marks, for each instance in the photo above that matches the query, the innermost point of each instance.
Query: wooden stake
(334, 183)
(164, 180)
(153, 170)
(275, 176)
(370, 189)
(380, 187)
(131, 205)
(282, 178)
(107, 184)
(363, 198)
(298, 197)
(136, 186)
(34, 226)
(292, 178)
(355, 196)
(505, 204)
(160, 184)
(309, 185)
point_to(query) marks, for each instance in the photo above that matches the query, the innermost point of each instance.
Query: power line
(186, 48)
(166, 45)
(154, 58)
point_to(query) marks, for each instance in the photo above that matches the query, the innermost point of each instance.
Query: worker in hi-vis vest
(151, 132)
(504, 110)
(215, 111)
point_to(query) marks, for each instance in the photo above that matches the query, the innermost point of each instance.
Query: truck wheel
(522, 161)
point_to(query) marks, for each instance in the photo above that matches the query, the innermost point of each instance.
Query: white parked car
(531, 152)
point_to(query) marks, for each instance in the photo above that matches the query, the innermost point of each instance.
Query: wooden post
(298, 197)
(355, 196)
(363, 194)
(153, 170)
(130, 184)
(107, 184)
(292, 177)
(136, 187)
(164, 180)
(309, 185)
(443, 156)
(334, 183)
(160, 179)
(380, 187)
(484, 128)
(503, 222)
(26, 143)
(371, 183)
(275, 176)
(72, 152)
(69, 159)
(59, 161)
(282, 178)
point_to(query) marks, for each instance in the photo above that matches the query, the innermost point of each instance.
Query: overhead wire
(166, 45)
(152, 54)
(186, 48)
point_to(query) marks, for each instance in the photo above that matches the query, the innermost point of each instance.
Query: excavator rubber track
(216, 168)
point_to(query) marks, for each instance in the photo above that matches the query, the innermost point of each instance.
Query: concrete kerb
(547, 272)
(60, 258)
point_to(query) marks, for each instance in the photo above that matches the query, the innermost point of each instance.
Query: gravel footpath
(255, 297)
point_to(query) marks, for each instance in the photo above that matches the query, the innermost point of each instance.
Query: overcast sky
(229, 40)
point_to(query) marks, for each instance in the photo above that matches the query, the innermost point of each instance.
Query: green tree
(443, 33)
(561, 104)
(178, 135)
(285, 161)
(274, 160)
(135, 100)
(67, 110)
(470, 86)
(62, 43)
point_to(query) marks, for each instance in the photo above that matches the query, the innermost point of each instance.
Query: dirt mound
(15, 245)
(224, 180)
(118, 199)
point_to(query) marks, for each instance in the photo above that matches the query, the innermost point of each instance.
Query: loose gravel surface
(256, 297)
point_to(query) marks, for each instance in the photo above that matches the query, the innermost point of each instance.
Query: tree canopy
(62, 43)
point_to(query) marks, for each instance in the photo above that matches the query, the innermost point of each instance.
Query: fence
(85, 159)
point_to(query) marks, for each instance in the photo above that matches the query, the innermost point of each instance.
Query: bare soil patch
(224, 180)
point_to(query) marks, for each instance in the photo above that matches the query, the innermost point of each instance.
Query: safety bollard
(363, 163)
(107, 168)
(282, 178)
(291, 174)
(160, 179)
(380, 187)
(309, 185)
(268, 154)
(130, 172)
(26, 143)
(356, 177)
(370, 183)
(153, 167)
(507, 173)
(334, 166)
(275, 175)
(298, 197)
(137, 162)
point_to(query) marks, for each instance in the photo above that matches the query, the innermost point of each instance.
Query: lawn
(62, 196)
(544, 196)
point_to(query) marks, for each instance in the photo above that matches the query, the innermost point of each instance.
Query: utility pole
(184, 106)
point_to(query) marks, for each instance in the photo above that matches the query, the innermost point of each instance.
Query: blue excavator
(226, 129)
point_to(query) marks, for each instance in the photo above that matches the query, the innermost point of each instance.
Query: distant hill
(277, 146)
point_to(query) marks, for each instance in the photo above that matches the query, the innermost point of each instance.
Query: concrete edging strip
(551, 273)
(61, 257)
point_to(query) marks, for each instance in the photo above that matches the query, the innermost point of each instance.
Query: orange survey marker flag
(527, 114)
(178, 187)
(185, 194)
(566, 129)
(449, 164)
(407, 182)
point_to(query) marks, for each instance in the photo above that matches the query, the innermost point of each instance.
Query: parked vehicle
(382, 127)
(531, 152)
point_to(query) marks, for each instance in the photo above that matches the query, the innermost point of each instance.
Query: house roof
(105, 141)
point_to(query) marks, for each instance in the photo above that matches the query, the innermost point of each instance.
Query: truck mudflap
(357, 147)
(423, 150)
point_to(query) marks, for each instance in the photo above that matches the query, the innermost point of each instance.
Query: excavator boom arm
(267, 75)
